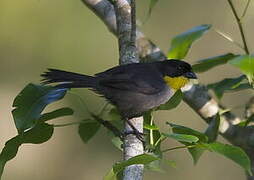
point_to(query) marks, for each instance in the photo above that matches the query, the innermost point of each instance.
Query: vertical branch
(133, 23)
(249, 113)
(239, 23)
(126, 33)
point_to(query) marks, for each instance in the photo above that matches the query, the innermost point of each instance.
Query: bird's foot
(139, 135)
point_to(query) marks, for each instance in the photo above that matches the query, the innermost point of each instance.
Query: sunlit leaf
(151, 127)
(228, 84)
(234, 153)
(88, 129)
(181, 44)
(209, 63)
(173, 102)
(246, 64)
(31, 101)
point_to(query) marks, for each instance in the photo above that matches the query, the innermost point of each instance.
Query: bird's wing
(146, 81)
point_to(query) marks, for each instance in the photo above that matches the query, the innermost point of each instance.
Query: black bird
(132, 88)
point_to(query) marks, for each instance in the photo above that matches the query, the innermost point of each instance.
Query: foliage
(181, 44)
(29, 121)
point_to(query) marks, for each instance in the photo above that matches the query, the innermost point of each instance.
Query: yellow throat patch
(176, 82)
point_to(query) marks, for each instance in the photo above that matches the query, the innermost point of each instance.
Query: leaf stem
(82, 103)
(245, 10)
(151, 131)
(239, 23)
(67, 124)
(178, 147)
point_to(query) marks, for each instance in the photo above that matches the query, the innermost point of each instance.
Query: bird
(133, 88)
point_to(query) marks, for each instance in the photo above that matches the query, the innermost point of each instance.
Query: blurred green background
(64, 34)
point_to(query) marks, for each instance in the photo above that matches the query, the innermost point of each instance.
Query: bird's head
(177, 73)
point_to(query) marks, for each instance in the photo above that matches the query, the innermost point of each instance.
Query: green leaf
(88, 129)
(39, 134)
(155, 166)
(9, 152)
(181, 44)
(116, 141)
(151, 6)
(56, 114)
(228, 84)
(110, 175)
(140, 159)
(213, 129)
(182, 137)
(31, 101)
(173, 102)
(170, 163)
(195, 152)
(154, 135)
(185, 130)
(119, 167)
(209, 63)
(114, 114)
(234, 153)
(246, 64)
(151, 127)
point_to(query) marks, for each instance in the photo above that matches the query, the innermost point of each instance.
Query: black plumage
(132, 88)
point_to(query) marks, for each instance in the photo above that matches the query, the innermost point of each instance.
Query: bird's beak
(190, 75)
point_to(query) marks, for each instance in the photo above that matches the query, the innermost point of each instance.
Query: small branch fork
(239, 23)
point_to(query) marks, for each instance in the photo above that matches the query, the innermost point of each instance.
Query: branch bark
(126, 33)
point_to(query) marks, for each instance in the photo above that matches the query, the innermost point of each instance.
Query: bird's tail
(68, 79)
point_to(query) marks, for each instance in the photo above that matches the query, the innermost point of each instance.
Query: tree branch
(126, 33)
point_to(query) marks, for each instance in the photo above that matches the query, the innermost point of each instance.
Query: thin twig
(67, 124)
(109, 126)
(178, 147)
(239, 23)
(133, 22)
(245, 10)
(151, 132)
(228, 38)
